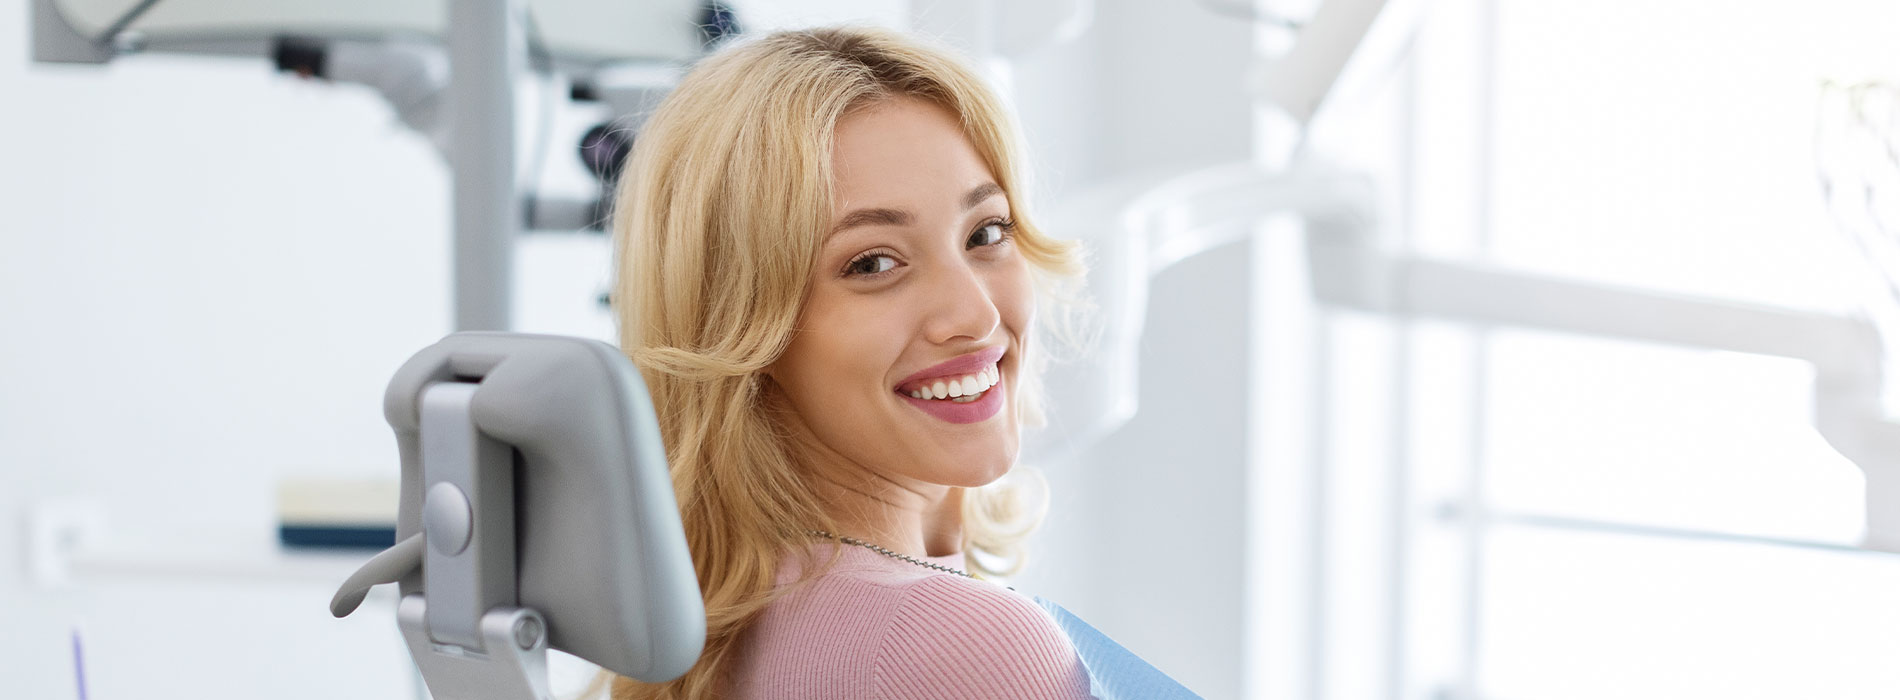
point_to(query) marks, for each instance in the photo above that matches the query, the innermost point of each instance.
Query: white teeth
(963, 389)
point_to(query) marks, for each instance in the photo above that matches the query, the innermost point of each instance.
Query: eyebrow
(982, 192)
(899, 217)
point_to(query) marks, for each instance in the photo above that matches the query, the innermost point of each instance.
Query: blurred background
(1568, 439)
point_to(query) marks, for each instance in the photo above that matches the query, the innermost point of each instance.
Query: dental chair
(536, 512)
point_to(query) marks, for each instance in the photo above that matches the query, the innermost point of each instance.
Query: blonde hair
(717, 225)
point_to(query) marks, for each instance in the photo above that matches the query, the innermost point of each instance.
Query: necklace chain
(894, 555)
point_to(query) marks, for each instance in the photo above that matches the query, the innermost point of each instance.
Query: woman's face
(919, 290)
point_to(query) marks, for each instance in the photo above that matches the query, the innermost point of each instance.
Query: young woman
(828, 280)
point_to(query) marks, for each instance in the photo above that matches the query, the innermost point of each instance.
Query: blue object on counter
(1115, 673)
(337, 536)
(337, 513)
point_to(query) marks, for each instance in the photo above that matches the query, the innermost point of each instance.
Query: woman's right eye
(870, 265)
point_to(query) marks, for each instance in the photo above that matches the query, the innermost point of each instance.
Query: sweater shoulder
(949, 636)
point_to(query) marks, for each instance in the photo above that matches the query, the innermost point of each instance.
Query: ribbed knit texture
(879, 628)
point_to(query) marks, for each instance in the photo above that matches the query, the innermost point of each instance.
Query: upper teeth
(952, 387)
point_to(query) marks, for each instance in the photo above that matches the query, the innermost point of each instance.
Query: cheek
(1014, 294)
(838, 350)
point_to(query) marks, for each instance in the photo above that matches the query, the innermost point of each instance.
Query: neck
(893, 511)
(904, 515)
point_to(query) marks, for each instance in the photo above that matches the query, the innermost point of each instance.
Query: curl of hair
(717, 226)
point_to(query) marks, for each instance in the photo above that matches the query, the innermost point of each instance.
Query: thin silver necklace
(894, 555)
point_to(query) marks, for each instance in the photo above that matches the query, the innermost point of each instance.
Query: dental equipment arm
(536, 512)
(450, 68)
(1844, 351)
(1160, 222)
(1137, 228)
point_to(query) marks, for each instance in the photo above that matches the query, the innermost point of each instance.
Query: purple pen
(79, 663)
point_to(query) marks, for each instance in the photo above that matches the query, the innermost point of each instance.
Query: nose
(960, 305)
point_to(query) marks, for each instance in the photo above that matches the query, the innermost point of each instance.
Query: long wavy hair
(717, 224)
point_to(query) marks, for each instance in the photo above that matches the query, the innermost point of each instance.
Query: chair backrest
(534, 477)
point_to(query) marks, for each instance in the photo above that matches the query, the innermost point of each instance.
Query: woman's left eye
(992, 233)
(870, 265)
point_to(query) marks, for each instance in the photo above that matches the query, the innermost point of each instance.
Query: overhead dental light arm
(1138, 228)
(1844, 351)
(402, 49)
(1141, 228)
(1299, 80)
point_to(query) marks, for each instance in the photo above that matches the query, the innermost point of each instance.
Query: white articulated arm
(1139, 227)
(1845, 351)
(1134, 229)
(1298, 81)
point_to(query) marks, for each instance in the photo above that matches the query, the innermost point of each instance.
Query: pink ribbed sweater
(877, 627)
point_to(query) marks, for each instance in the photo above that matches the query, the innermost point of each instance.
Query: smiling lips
(939, 380)
(960, 390)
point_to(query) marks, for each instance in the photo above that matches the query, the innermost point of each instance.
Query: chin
(981, 471)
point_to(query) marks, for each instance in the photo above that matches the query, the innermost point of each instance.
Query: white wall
(210, 273)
